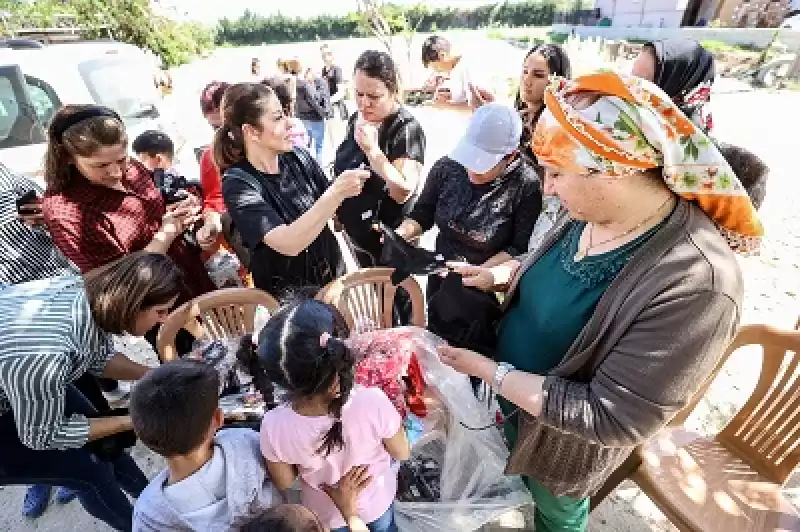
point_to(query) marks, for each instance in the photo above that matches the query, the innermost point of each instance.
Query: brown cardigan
(655, 334)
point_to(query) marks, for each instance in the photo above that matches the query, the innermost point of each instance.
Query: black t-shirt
(478, 221)
(334, 77)
(400, 137)
(262, 202)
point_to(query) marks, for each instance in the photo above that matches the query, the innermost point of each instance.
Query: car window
(134, 98)
(44, 99)
(19, 122)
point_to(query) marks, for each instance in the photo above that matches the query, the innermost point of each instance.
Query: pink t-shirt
(368, 418)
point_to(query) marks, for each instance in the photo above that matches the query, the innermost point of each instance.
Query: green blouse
(554, 302)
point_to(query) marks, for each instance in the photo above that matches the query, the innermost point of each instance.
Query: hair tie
(323, 339)
(76, 118)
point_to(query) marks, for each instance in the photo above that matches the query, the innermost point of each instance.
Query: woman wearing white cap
(484, 197)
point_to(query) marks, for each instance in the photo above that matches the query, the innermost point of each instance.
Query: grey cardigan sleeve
(650, 375)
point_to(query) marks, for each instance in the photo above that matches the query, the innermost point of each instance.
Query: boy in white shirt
(461, 72)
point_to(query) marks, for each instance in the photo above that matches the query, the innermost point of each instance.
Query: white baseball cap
(493, 133)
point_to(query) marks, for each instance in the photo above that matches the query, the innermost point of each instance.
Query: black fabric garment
(400, 137)
(407, 259)
(310, 104)
(476, 222)
(682, 65)
(259, 202)
(174, 189)
(464, 316)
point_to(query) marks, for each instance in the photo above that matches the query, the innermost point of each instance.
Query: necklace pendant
(580, 255)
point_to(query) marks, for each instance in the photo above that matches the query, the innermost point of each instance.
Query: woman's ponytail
(338, 356)
(227, 148)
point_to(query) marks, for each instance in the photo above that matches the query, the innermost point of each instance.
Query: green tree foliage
(131, 21)
(251, 29)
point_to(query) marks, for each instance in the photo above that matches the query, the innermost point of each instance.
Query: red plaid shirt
(94, 225)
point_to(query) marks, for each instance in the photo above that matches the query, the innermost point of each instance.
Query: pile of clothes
(242, 397)
(387, 361)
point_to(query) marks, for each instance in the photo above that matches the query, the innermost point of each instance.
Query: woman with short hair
(55, 330)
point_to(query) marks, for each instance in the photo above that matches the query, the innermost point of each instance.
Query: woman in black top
(383, 137)
(278, 197)
(484, 197)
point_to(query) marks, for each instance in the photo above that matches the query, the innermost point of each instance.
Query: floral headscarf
(632, 127)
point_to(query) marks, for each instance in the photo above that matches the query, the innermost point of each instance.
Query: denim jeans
(316, 132)
(384, 523)
(99, 484)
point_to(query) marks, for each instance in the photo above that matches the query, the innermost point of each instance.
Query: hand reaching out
(345, 493)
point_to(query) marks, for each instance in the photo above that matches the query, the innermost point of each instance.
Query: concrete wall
(759, 37)
(647, 13)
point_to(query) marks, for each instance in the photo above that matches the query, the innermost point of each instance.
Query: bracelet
(503, 369)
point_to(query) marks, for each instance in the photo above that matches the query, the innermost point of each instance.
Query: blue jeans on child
(99, 484)
(316, 134)
(384, 523)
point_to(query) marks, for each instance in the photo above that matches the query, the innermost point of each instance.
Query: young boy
(156, 151)
(213, 480)
(460, 72)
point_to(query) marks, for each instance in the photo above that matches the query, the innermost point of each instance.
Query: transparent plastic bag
(472, 489)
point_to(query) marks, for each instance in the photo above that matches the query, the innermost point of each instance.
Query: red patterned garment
(94, 225)
(389, 363)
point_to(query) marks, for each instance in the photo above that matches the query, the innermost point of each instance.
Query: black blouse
(262, 202)
(400, 137)
(476, 222)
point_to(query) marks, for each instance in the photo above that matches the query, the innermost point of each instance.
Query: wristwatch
(503, 369)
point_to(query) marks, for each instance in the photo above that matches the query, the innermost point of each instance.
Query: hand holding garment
(464, 316)
(407, 259)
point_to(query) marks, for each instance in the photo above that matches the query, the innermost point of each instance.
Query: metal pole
(641, 16)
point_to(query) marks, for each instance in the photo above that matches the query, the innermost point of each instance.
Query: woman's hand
(474, 276)
(180, 217)
(366, 136)
(345, 493)
(480, 96)
(208, 234)
(349, 183)
(467, 362)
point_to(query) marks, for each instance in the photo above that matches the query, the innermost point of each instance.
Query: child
(213, 481)
(156, 151)
(327, 426)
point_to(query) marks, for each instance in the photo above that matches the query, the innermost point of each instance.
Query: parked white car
(35, 83)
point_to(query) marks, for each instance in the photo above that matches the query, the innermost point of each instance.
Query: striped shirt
(26, 253)
(48, 339)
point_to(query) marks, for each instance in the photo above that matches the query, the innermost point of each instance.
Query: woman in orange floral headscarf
(615, 321)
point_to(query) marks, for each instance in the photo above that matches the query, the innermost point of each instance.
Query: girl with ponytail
(326, 425)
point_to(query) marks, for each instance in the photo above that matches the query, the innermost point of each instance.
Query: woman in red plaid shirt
(101, 205)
